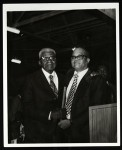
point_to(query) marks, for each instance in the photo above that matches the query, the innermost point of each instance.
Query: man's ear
(39, 62)
(88, 60)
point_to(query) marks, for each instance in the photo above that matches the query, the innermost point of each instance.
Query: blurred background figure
(15, 112)
(103, 71)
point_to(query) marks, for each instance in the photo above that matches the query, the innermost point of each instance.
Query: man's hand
(58, 114)
(94, 74)
(14, 141)
(55, 115)
(64, 124)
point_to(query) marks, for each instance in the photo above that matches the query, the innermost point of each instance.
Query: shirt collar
(81, 72)
(47, 74)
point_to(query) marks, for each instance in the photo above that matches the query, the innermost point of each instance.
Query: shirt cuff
(68, 116)
(49, 117)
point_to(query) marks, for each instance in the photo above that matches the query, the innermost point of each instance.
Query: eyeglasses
(79, 57)
(48, 58)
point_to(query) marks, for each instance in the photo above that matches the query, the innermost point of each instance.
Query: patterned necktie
(71, 94)
(52, 85)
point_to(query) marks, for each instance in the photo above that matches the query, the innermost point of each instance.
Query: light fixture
(16, 61)
(13, 30)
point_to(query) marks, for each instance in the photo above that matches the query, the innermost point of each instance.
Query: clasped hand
(58, 114)
(64, 124)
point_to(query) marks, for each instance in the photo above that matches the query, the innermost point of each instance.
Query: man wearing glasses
(83, 90)
(42, 100)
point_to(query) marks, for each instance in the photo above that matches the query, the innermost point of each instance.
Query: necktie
(71, 94)
(52, 85)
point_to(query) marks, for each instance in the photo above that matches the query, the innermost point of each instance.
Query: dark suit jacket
(14, 117)
(39, 100)
(90, 91)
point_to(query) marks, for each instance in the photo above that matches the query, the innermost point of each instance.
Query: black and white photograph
(61, 75)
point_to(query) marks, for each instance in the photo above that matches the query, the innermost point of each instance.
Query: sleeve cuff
(68, 116)
(49, 117)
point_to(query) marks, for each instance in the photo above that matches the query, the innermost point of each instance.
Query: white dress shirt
(55, 80)
(80, 76)
(55, 77)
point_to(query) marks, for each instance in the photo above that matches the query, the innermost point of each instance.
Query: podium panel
(103, 123)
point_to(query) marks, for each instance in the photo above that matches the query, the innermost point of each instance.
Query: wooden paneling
(103, 123)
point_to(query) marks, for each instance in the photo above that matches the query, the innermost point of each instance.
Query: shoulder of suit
(70, 71)
(90, 77)
(60, 75)
(98, 79)
(97, 76)
(34, 74)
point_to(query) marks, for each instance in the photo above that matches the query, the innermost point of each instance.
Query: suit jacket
(39, 100)
(90, 91)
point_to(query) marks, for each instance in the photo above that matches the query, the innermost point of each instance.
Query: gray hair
(43, 50)
(85, 50)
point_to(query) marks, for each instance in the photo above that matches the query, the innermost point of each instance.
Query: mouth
(76, 63)
(49, 63)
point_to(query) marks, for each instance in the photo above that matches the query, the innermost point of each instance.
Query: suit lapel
(83, 85)
(44, 83)
(69, 76)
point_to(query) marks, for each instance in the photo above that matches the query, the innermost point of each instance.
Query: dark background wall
(61, 30)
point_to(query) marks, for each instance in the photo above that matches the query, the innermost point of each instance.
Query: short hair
(43, 50)
(86, 51)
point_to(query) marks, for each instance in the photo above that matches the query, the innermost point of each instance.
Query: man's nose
(50, 61)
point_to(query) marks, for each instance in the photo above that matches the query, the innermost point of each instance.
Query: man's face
(48, 61)
(79, 59)
(103, 71)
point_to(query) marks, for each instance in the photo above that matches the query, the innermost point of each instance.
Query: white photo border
(57, 6)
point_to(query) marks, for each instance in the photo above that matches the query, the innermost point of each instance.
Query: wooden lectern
(103, 123)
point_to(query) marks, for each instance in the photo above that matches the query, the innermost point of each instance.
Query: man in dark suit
(42, 100)
(83, 90)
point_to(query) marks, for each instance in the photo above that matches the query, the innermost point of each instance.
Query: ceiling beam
(25, 33)
(20, 17)
(40, 17)
(84, 28)
(69, 31)
(65, 26)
